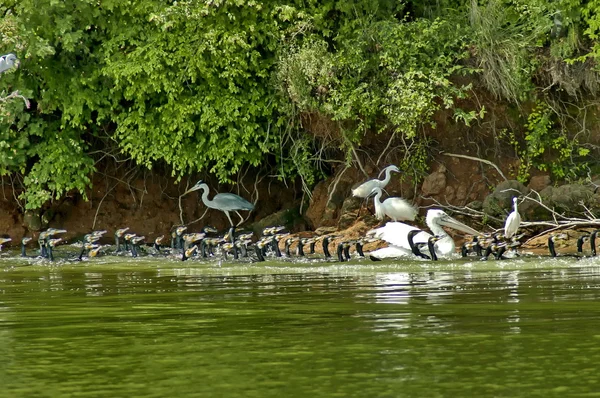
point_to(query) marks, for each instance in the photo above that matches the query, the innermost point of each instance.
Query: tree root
(454, 155)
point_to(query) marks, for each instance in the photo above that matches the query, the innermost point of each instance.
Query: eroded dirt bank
(150, 204)
(458, 173)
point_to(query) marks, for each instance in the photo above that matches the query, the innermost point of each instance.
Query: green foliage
(197, 87)
(503, 39)
(217, 85)
(415, 163)
(61, 168)
(591, 16)
(385, 69)
(468, 117)
(548, 148)
(45, 143)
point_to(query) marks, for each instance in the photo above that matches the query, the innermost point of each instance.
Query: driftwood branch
(560, 221)
(198, 219)
(333, 186)
(187, 186)
(454, 155)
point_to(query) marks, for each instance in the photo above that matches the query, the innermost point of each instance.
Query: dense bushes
(216, 85)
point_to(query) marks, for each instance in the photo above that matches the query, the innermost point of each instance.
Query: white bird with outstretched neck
(366, 189)
(511, 226)
(397, 209)
(396, 234)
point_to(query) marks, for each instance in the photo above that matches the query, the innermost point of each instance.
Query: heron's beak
(194, 188)
(450, 222)
(383, 171)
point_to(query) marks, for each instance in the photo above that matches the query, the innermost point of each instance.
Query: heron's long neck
(377, 199)
(379, 213)
(515, 207)
(388, 175)
(205, 196)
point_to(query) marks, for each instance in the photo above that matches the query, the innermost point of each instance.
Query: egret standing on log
(397, 209)
(225, 202)
(7, 61)
(511, 226)
(366, 189)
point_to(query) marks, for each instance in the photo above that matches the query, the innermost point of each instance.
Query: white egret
(395, 208)
(365, 189)
(7, 61)
(396, 234)
(511, 226)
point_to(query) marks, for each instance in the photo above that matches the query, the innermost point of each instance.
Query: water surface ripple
(152, 328)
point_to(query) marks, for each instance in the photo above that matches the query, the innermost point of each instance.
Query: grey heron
(365, 189)
(511, 226)
(225, 202)
(396, 234)
(395, 208)
(7, 62)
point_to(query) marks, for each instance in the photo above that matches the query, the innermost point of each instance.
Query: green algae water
(157, 328)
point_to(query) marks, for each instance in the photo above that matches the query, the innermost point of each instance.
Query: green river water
(159, 328)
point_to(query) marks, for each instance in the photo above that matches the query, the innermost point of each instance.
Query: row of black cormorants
(207, 244)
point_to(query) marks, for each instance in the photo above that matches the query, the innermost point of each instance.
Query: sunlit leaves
(62, 166)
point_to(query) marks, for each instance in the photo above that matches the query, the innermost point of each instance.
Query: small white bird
(7, 61)
(511, 226)
(397, 209)
(365, 189)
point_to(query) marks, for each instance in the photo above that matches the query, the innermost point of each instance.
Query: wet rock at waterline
(290, 218)
(499, 203)
(349, 212)
(569, 198)
(538, 183)
(434, 183)
(32, 220)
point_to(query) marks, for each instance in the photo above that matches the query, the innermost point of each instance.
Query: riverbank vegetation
(289, 89)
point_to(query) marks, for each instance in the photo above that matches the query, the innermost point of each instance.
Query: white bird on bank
(397, 209)
(366, 189)
(511, 226)
(396, 234)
